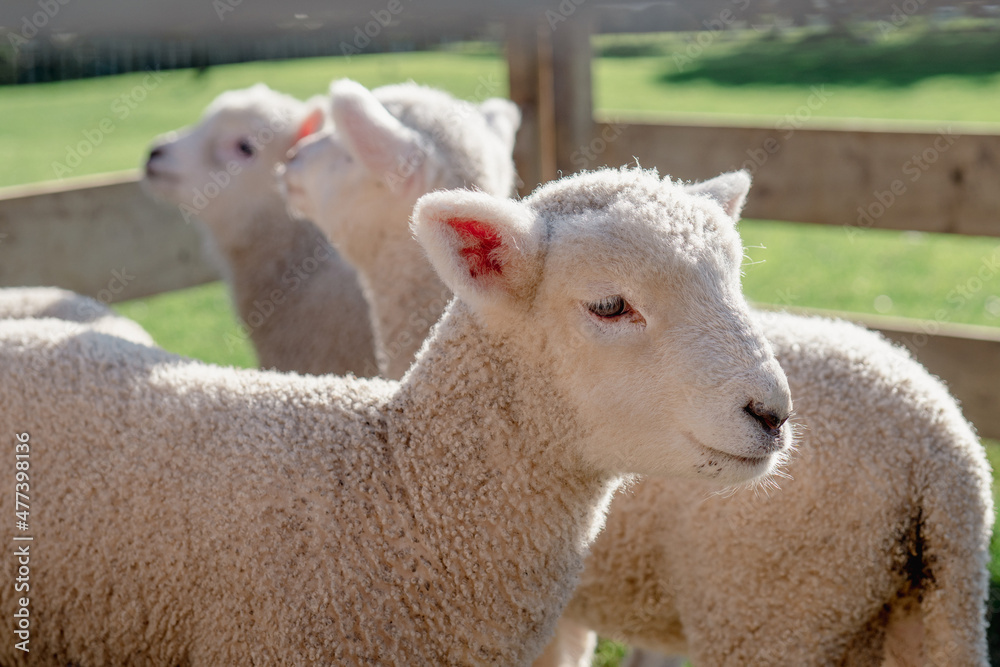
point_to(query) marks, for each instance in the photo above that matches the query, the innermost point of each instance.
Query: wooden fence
(105, 238)
(932, 178)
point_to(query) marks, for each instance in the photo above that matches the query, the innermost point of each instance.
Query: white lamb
(190, 514)
(874, 551)
(387, 148)
(885, 521)
(286, 281)
(35, 302)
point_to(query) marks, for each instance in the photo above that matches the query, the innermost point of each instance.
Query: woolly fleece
(54, 302)
(835, 536)
(189, 514)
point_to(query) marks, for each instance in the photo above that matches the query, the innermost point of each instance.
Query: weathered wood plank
(572, 90)
(943, 179)
(97, 236)
(966, 357)
(529, 72)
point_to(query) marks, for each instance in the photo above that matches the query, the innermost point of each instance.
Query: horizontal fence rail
(103, 237)
(942, 180)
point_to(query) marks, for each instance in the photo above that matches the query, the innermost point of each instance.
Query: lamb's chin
(161, 188)
(733, 470)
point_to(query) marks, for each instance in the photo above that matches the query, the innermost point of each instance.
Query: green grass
(751, 75)
(909, 76)
(45, 122)
(910, 274)
(958, 84)
(197, 322)
(609, 653)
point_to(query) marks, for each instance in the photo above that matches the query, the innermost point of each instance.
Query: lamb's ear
(486, 249)
(315, 118)
(383, 144)
(503, 117)
(729, 190)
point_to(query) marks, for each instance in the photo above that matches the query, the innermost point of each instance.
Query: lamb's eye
(610, 307)
(246, 148)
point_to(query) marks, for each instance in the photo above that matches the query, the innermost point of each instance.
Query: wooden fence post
(572, 95)
(529, 63)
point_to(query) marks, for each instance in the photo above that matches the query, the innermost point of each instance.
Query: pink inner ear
(311, 125)
(481, 241)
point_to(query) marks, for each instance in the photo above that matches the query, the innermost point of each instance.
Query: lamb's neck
(265, 252)
(485, 445)
(405, 297)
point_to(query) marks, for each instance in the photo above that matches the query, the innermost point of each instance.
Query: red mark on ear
(481, 241)
(312, 124)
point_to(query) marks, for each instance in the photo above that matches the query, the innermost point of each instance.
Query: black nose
(155, 153)
(769, 420)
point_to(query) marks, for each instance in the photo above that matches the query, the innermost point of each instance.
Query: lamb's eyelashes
(609, 307)
(613, 314)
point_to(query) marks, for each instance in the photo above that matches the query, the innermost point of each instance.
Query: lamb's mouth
(748, 461)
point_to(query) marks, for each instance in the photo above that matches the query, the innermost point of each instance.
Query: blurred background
(871, 127)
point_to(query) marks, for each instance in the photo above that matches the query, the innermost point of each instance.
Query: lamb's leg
(572, 646)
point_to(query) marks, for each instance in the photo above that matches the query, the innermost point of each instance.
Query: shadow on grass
(842, 60)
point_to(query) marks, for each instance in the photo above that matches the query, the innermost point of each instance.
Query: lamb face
(233, 151)
(324, 182)
(631, 286)
(389, 146)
